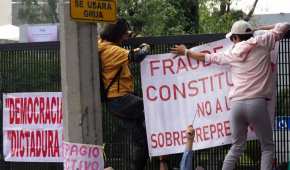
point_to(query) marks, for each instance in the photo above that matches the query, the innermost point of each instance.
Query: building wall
(5, 12)
(270, 18)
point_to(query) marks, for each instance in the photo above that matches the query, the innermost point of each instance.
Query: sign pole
(79, 78)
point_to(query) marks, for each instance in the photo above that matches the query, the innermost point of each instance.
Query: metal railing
(35, 67)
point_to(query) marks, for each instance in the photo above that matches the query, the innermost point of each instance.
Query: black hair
(114, 32)
(242, 37)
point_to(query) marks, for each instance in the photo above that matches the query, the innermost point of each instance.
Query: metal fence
(28, 67)
(35, 67)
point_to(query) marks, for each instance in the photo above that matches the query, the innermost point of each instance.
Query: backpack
(103, 90)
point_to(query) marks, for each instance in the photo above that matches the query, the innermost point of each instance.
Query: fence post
(79, 78)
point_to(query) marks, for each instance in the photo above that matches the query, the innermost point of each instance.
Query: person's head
(117, 32)
(240, 31)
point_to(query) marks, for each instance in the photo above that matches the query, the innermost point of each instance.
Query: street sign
(283, 122)
(93, 10)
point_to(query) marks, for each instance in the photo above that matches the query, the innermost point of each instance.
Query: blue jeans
(129, 110)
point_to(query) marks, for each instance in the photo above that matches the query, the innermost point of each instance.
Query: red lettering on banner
(227, 128)
(202, 134)
(215, 49)
(219, 79)
(168, 139)
(181, 65)
(203, 80)
(218, 107)
(34, 143)
(152, 67)
(164, 92)
(228, 80)
(212, 130)
(148, 93)
(198, 135)
(81, 164)
(76, 150)
(206, 108)
(37, 110)
(177, 91)
(176, 139)
(205, 133)
(32, 146)
(194, 90)
(220, 129)
(167, 65)
(154, 143)
(203, 85)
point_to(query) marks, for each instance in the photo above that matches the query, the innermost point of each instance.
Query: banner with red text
(179, 91)
(32, 127)
(82, 157)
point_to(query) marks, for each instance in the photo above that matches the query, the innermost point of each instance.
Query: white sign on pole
(32, 127)
(39, 33)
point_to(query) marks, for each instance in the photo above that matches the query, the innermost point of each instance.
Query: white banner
(179, 91)
(32, 127)
(82, 157)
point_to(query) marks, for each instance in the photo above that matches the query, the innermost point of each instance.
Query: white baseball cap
(240, 27)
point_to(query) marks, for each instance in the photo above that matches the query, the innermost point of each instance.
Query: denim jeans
(129, 110)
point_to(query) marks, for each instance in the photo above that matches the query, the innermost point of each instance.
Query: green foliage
(32, 12)
(215, 16)
(154, 17)
(171, 17)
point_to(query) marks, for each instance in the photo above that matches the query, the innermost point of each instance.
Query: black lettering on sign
(91, 13)
(99, 5)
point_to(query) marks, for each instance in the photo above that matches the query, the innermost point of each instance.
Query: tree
(217, 16)
(29, 12)
(171, 17)
(50, 11)
(251, 12)
(190, 12)
(156, 17)
(35, 11)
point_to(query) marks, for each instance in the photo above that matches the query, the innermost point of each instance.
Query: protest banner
(179, 91)
(82, 156)
(32, 127)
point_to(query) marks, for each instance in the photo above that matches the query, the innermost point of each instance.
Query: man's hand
(190, 132)
(178, 49)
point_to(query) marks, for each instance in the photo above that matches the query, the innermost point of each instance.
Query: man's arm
(217, 58)
(186, 161)
(270, 27)
(138, 54)
(182, 50)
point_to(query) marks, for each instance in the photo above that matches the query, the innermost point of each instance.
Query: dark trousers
(129, 110)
